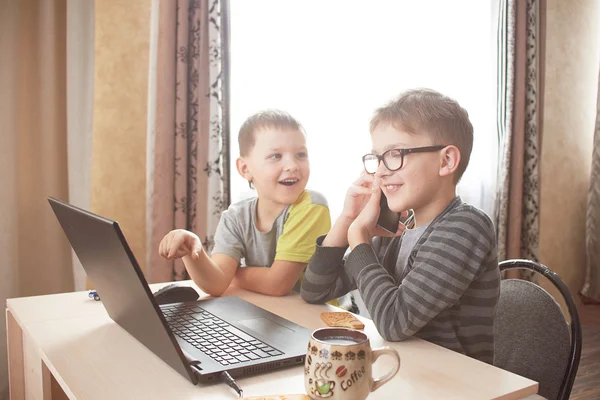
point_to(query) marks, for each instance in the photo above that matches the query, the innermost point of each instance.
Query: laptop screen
(115, 274)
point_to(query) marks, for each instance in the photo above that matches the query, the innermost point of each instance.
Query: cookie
(342, 319)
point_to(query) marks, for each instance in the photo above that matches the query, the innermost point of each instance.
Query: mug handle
(377, 383)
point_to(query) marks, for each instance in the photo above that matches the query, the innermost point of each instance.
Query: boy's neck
(266, 213)
(427, 213)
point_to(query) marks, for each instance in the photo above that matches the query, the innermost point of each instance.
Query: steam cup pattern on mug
(324, 385)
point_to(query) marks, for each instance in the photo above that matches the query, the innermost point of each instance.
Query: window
(330, 63)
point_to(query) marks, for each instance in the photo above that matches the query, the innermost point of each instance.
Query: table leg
(51, 387)
(16, 371)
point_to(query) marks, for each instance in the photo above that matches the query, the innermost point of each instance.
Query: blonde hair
(425, 111)
(264, 119)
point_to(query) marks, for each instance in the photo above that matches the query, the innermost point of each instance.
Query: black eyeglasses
(393, 159)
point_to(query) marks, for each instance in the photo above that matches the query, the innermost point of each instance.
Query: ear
(243, 169)
(450, 159)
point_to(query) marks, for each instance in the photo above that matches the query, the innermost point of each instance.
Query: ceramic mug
(339, 362)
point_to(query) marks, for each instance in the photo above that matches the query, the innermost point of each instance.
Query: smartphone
(388, 219)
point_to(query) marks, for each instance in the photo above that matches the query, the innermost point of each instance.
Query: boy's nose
(382, 170)
(291, 166)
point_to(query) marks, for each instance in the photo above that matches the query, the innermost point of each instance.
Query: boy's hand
(357, 196)
(364, 227)
(180, 243)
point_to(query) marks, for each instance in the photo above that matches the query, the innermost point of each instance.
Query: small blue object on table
(94, 295)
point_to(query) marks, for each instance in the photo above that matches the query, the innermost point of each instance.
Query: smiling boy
(439, 281)
(263, 243)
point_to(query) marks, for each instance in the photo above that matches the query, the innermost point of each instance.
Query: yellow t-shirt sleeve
(304, 225)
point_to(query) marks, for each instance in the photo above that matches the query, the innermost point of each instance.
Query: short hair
(419, 111)
(270, 118)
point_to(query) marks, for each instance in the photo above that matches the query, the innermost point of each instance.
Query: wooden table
(66, 346)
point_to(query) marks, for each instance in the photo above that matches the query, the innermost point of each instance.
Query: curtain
(36, 258)
(520, 96)
(591, 287)
(188, 132)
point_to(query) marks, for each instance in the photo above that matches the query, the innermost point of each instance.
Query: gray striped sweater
(447, 294)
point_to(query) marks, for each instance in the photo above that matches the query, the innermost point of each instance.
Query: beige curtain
(46, 48)
(36, 258)
(188, 152)
(520, 95)
(591, 287)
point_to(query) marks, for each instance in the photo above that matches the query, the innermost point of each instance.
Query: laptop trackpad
(266, 328)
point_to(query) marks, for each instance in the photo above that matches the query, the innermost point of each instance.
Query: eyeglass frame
(403, 153)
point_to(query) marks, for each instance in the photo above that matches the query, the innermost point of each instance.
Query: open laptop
(198, 339)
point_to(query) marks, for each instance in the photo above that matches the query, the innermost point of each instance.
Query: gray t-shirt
(237, 235)
(408, 242)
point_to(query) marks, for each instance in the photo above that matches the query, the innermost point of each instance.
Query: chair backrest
(532, 336)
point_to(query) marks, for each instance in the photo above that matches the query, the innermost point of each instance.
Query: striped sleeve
(447, 263)
(325, 278)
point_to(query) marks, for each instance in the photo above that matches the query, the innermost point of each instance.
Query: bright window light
(330, 63)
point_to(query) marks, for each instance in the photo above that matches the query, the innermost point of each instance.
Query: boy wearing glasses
(438, 281)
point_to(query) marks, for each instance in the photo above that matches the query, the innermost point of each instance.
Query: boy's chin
(290, 197)
(398, 205)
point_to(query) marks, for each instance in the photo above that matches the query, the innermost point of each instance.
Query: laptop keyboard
(216, 338)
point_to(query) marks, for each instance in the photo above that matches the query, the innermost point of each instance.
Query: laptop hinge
(195, 366)
(193, 363)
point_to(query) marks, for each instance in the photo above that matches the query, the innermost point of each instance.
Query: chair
(532, 335)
